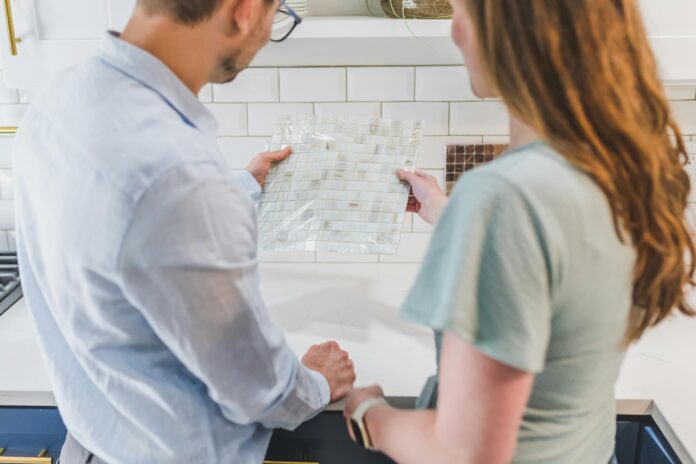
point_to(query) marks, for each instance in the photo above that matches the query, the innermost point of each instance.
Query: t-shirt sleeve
(486, 277)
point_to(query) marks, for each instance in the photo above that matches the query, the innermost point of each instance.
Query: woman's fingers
(406, 176)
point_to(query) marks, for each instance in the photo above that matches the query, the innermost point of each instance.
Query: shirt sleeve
(486, 276)
(249, 184)
(188, 263)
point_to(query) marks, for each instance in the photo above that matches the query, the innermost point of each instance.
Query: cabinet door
(654, 448)
(26, 431)
(323, 439)
(626, 441)
(53, 36)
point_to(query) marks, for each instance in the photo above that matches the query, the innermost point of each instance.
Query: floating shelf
(364, 41)
(367, 41)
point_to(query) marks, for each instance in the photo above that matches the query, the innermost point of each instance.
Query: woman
(548, 262)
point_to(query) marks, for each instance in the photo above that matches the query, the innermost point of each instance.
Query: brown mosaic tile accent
(463, 158)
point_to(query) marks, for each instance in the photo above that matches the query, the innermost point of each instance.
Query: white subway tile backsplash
(12, 240)
(24, 96)
(685, 113)
(432, 155)
(232, 119)
(248, 108)
(10, 115)
(251, 85)
(412, 249)
(4, 242)
(443, 83)
(6, 214)
(497, 139)
(289, 257)
(474, 118)
(420, 226)
(381, 84)
(263, 116)
(6, 151)
(238, 151)
(371, 109)
(345, 258)
(312, 84)
(681, 92)
(6, 184)
(7, 95)
(435, 115)
(88, 22)
(407, 226)
(120, 11)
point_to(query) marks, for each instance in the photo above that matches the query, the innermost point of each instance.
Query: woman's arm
(480, 407)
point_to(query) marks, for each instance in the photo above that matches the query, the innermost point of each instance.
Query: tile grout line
(415, 75)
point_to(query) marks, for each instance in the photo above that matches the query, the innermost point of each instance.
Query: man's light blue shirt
(137, 249)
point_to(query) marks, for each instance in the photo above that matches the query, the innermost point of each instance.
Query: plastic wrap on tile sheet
(338, 191)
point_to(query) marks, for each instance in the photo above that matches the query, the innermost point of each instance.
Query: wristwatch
(357, 423)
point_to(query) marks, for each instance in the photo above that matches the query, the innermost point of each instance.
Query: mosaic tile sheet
(463, 158)
(338, 192)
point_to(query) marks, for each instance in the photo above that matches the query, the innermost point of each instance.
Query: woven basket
(417, 9)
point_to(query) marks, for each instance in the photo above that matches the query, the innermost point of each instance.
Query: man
(137, 248)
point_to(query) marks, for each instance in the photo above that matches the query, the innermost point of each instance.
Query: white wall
(247, 109)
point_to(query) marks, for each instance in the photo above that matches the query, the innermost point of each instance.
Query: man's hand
(261, 164)
(333, 363)
(426, 197)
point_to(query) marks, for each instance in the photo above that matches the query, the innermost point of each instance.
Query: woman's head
(581, 73)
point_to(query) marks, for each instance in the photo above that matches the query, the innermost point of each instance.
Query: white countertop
(357, 306)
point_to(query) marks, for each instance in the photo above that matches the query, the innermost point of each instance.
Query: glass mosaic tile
(463, 158)
(338, 191)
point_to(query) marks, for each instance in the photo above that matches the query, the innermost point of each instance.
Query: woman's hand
(427, 199)
(261, 164)
(356, 398)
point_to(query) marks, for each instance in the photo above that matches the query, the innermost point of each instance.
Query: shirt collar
(152, 73)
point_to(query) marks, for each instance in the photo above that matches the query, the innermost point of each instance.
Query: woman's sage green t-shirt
(525, 264)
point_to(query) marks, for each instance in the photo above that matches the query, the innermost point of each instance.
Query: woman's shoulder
(534, 173)
(532, 163)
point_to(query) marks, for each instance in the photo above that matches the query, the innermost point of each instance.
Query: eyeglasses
(285, 10)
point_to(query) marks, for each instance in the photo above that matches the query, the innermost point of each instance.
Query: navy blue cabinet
(323, 439)
(31, 432)
(654, 448)
(640, 441)
(627, 441)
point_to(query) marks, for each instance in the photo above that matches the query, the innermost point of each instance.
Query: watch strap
(359, 417)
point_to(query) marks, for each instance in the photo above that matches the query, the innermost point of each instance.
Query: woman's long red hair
(581, 72)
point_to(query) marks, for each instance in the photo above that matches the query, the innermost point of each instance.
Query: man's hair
(185, 11)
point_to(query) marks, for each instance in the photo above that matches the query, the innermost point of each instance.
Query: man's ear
(238, 14)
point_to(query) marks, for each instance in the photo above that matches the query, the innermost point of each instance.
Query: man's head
(237, 29)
